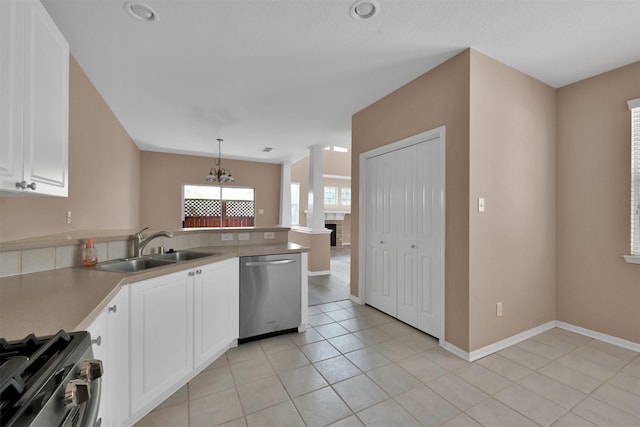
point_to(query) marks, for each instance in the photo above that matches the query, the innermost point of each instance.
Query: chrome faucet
(140, 243)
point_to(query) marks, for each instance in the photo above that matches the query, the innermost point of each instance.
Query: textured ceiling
(288, 74)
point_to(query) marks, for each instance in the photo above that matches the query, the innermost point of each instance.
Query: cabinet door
(46, 109)
(117, 373)
(11, 106)
(216, 309)
(161, 336)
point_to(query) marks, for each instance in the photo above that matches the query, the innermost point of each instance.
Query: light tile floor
(355, 366)
(335, 286)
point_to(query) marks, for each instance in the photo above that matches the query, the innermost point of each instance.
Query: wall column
(314, 235)
(315, 208)
(285, 194)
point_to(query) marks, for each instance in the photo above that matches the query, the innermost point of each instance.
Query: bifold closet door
(404, 259)
(418, 237)
(381, 257)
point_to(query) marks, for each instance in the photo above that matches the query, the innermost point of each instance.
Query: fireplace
(336, 232)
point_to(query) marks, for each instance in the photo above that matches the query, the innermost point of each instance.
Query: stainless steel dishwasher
(269, 294)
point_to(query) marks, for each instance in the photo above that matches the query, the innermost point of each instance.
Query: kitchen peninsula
(132, 317)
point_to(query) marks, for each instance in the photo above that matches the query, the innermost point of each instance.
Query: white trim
(633, 103)
(455, 350)
(632, 259)
(329, 176)
(515, 339)
(500, 345)
(356, 299)
(439, 132)
(307, 230)
(319, 273)
(620, 342)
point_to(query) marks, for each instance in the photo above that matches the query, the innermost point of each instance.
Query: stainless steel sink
(132, 265)
(182, 255)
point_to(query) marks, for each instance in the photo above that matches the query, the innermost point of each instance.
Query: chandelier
(217, 174)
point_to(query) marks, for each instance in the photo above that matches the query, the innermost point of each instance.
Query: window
(214, 206)
(345, 196)
(295, 203)
(330, 196)
(634, 106)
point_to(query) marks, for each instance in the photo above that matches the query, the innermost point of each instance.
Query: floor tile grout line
(454, 371)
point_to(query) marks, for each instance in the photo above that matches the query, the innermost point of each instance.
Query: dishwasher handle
(265, 263)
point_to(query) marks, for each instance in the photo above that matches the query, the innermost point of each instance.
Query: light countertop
(71, 298)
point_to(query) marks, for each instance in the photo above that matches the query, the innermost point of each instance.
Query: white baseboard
(515, 339)
(319, 273)
(355, 299)
(500, 345)
(620, 342)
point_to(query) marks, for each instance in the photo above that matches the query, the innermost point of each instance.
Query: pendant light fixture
(217, 174)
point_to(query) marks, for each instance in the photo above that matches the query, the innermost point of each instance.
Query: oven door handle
(265, 263)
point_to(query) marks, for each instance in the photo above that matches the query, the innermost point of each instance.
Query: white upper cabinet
(34, 102)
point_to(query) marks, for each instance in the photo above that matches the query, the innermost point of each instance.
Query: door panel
(407, 228)
(430, 239)
(380, 273)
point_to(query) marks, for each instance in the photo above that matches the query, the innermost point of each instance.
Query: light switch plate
(226, 237)
(244, 236)
(480, 204)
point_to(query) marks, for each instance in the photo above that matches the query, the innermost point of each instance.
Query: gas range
(49, 381)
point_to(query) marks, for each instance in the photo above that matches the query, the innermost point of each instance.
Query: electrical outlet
(68, 217)
(499, 309)
(269, 235)
(244, 236)
(226, 237)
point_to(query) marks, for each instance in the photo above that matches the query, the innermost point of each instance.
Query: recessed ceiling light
(141, 11)
(364, 9)
(267, 149)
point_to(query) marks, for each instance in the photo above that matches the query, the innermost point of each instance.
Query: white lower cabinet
(110, 342)
(161, 335)
(216, 308)
(180, 322)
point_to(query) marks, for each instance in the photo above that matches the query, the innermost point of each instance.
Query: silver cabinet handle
(97, 341)
(192, 273)
(113, 308)
(381, 241)
(198, 271)
(413, 246)
(263, 263)
(24, 185)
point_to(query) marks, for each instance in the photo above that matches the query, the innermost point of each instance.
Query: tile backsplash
(43, 257)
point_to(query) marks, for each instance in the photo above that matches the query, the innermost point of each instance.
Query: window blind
(634, 106)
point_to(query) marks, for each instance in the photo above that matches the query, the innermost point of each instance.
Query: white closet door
(407, 226)
(381, 258)
(430, 255)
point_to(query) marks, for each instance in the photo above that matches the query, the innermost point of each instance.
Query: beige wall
(104, 174)
(333, 163)
(596, 288)
(162, 177)
(512, 165)
(319, 249)
(439, 97)
(336, 163)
